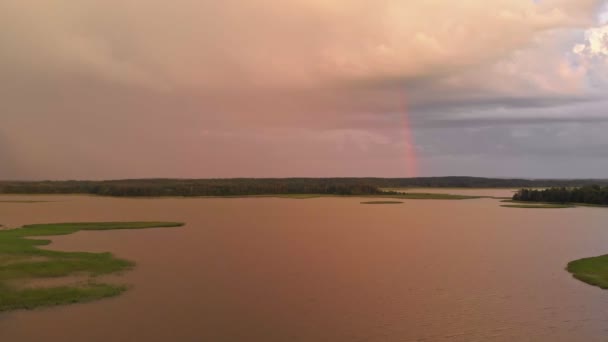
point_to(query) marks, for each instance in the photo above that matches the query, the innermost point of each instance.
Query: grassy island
(22, 262)
(593, 271)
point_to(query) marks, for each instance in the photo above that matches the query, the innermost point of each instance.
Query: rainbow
(411, 159)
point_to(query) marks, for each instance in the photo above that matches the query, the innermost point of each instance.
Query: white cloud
(592, 56)
(596, 43)
(272, 42)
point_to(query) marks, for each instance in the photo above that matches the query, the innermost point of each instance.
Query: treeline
(265, 186)
(194, 187)
(592, 194)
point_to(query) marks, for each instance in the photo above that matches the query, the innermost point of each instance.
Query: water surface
(327, 269)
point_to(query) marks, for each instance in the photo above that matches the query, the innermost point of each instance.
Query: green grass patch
(382, 202)
(593, 271)
(30, 298)
(21, 260)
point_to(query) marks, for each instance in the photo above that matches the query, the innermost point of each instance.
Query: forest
(269, 186)
(591, 194)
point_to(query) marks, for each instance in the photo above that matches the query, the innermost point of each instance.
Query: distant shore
(273, 186)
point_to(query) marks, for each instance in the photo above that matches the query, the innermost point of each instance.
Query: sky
(108, 89)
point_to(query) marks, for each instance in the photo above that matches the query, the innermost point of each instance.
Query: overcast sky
(104, 89)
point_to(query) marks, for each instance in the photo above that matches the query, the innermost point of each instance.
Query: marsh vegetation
(593, 271)
(22, 260)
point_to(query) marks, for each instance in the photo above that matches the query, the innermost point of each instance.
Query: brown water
(328, 269)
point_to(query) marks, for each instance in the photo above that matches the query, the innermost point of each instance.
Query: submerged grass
(593, 271)
(21, 260)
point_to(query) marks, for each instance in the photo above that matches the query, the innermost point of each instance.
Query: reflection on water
(327, 269)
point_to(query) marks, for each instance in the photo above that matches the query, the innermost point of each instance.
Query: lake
(326, 269)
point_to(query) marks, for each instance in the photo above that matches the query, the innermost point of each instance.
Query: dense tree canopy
(591, 194)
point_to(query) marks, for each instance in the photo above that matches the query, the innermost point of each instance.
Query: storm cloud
(266, 88)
